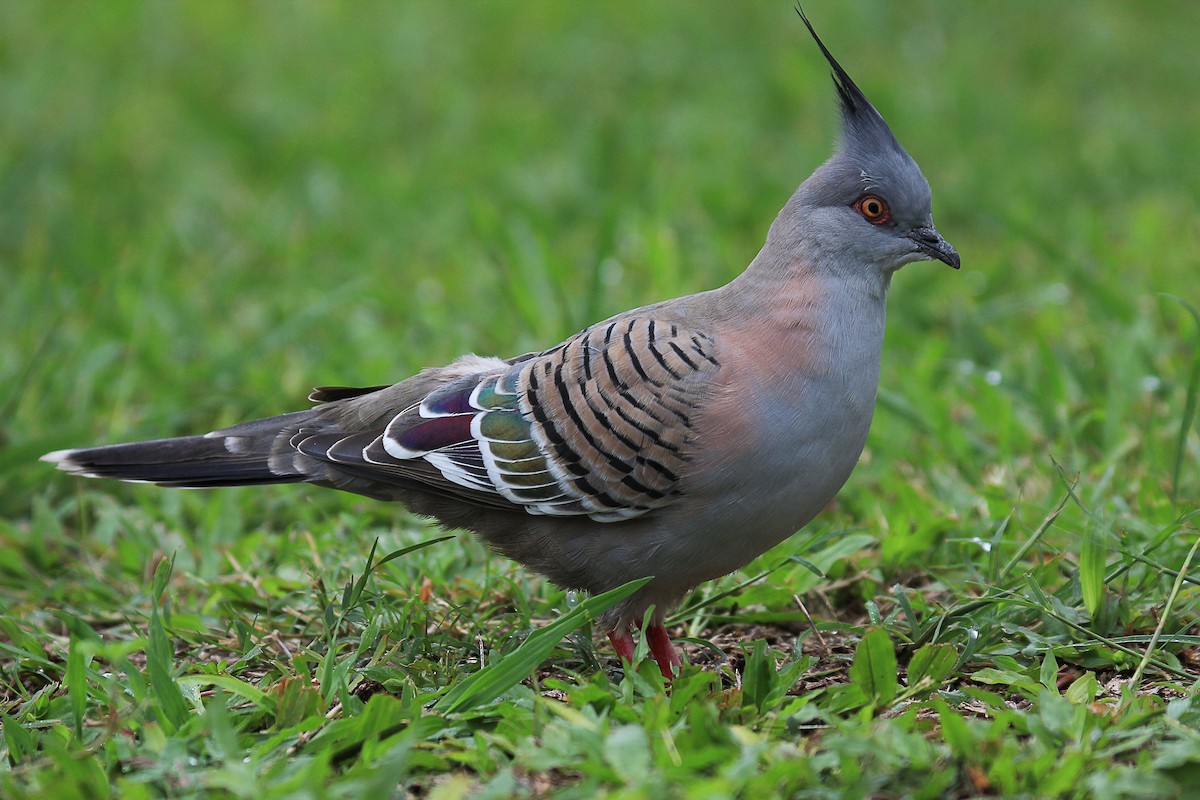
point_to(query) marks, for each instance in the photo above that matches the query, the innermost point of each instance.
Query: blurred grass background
(208, 208)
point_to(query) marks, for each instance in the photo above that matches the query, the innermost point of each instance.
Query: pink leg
(664, 652)
(622, 642)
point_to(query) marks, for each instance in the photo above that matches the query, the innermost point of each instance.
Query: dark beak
(931, 244)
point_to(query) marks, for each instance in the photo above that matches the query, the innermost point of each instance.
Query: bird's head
(868, 204)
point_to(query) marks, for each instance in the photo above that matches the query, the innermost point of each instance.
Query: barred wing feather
(599, 426)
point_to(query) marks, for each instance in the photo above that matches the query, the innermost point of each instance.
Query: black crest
(864, 126)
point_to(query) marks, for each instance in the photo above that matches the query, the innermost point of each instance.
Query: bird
(676, 442)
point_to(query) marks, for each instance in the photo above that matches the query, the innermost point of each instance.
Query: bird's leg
(622, 642)
(663, 651)
(660, 645)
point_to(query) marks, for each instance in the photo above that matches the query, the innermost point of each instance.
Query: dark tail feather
(187, 461)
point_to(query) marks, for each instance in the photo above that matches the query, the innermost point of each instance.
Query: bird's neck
(786, 294)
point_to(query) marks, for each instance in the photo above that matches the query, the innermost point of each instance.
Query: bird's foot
(660, 645)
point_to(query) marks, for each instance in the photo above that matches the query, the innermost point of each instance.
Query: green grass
(207, 208)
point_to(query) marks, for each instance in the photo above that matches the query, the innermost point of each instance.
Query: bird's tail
(244, 455)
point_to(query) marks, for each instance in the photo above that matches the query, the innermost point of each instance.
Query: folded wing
(601, 426)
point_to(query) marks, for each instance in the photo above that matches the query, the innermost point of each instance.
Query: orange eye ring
(874, 209)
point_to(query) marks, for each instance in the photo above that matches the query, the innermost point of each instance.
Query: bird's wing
(599, 426)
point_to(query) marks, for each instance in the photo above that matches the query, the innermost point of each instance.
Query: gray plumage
(679, 440)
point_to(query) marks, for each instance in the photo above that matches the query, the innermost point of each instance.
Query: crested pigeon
(679, 440)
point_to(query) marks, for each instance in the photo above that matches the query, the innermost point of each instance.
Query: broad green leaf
(874, 667)
(758, 676)
(19, 741)
(932, 663)
(1083, 689)
(1049, 671)
(296, 700)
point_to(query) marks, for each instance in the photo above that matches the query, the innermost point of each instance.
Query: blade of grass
(1091, 570)
(848, 536)
(1163, 617)
(498, 677)
(172, 706)
(354, 589)
(1125, 551)
(718, 597)
(1045, 609)
(1189, 406)
(1037, 534)
(76, 685)
(233, 685)
(1166, 534)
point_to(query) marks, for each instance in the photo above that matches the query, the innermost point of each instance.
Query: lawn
(207, 208)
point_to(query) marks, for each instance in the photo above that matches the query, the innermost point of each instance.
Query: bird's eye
(873, 208)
